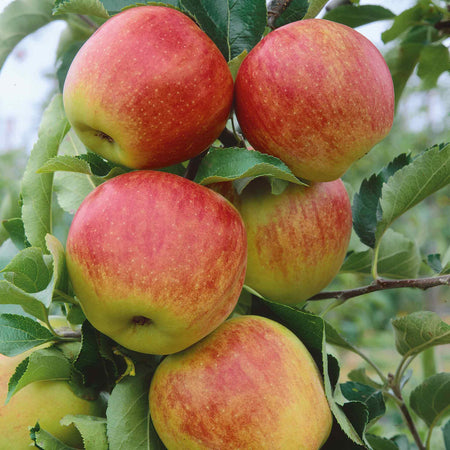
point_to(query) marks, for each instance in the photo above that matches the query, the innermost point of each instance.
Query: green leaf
(236, 62)
(66, 163)
(333, 337)
(79, 172)
(95, 363)
(65, 61)
(92, 430)
(310, 329)
(405, 20)
(396, 189)
(441, 267)
(431, 399)
(360, 376)
(426, 174)
(44, 440)
(358, 262)
(60, 275)
(402, 442)
(115, 6)
(88, 7)
(37, 188)
(30, 303)
(76, 315)
(446, 435)
(295, 10)
(357, 15)
(398, 257)
(19, 19)
(233, 26)
(29, 270)
(19, 333)
(72, 188)
(227, 164)
(380, 443)
(357, 414)
(97, 165)
(371, 397)
(42, 365)
(128, 415)
(434, 60)
(366, 203)
(16, 232)
(434, 262)
(419, 331)
(402, 59)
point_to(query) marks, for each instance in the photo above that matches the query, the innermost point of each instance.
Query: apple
(251, 384)
(316, 94)
(44, 401)
(297, 240)
(148, 89)
(157, 261)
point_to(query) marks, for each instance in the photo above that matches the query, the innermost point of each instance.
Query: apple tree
(150, 143)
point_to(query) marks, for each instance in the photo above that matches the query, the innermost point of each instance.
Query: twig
(274, 9)
(68, 334)
(87, 21)
(405, 412)
(382, 284)
(194, 164)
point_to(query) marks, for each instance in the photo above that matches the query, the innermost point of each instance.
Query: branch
(274, 10)
(381, 284)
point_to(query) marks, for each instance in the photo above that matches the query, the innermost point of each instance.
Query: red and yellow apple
(148, 89)
(251, 384)
(157, 261)
(46, 402)
(297, 240)
(316, 94)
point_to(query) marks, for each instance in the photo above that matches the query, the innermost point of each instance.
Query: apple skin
(148, 89)
(157, 261)
(44, 401)
(316, 94)
(249, 384)
(297, 240)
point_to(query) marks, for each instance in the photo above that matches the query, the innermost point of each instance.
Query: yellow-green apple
(296, 240)
(316, 94)
(148, 89)
(157, 261)
(44, 401)
(251, 384)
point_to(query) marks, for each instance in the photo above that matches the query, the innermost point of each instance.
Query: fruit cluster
(158, 262)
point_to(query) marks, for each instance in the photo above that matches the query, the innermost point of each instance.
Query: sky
(26, 81)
